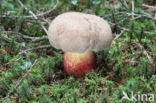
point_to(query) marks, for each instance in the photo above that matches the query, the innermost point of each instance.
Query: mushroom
(78, 35)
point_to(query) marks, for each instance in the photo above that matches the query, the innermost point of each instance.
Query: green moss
(122, 67)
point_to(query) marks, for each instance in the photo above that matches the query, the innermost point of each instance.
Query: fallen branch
(34, 39)
(149, 6)
(132, 9)
(117, 36)
(32, 49)
(49, 11)
(20, 81)
(38, 39)
(8, 16)
(34, 16)
(37, 15)
(6, 38)
(130, 14)
(126, 29)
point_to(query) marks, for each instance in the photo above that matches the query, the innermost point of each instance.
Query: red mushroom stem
(79, 64)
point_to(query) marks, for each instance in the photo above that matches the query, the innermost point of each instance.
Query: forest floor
(31, 71)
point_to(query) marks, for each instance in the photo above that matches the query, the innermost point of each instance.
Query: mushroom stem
(79, 64)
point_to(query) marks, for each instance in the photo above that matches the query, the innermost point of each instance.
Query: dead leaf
(2, 69)
(2, 51)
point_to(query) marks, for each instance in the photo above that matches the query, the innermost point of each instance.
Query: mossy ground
(122, 67)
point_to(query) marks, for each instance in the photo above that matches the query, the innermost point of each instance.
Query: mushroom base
(79, 64)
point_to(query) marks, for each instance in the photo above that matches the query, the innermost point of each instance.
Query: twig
(49, 11)
(22, 5)
(21, 80)
(40, 39)
(106, 15)
(39, 47)
(11, 62)
(130, 14)
(131, 62)
(147, 55)
(7, 39)
(38, 15)
(117, 36)
(19, 34)
(149, 6)
(8, 16)
(132, 9)
(34, 39)
(126, 29)
(124, 3)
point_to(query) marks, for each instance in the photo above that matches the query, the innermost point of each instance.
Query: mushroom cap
(77, 32)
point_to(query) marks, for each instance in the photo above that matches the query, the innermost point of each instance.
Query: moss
(122, 67)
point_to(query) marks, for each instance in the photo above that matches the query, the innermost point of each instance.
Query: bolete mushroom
(78, 35)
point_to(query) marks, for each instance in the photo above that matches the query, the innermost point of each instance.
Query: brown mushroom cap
(78, 32)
